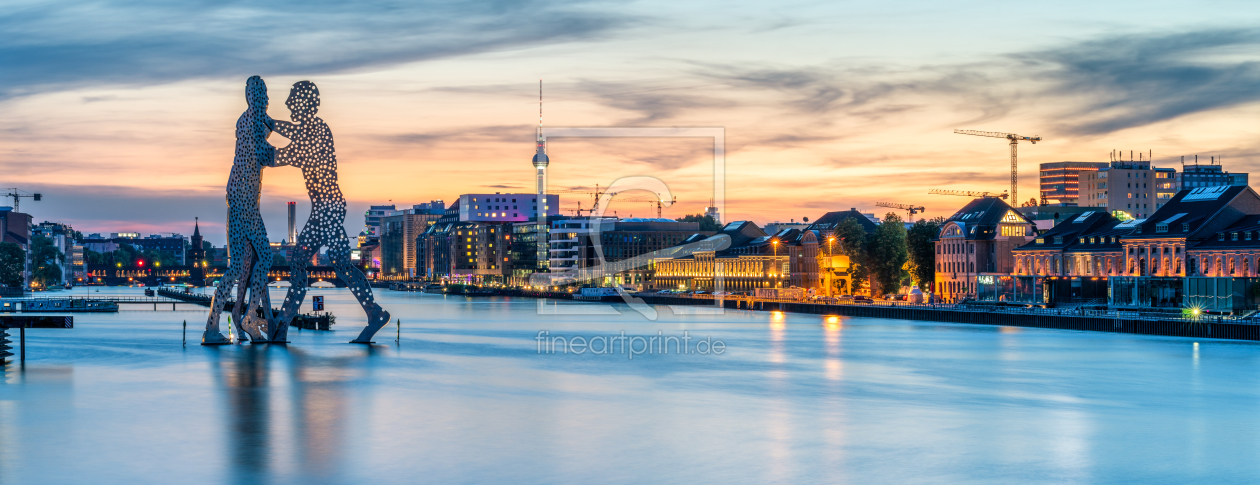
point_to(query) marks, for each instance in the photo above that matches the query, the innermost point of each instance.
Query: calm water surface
(465, 397)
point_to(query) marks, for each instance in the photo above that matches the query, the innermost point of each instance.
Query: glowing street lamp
(775, 243)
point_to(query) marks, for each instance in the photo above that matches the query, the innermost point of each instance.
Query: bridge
(192, 275)
(89, 304)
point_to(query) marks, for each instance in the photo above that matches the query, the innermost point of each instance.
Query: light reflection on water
(464, 397)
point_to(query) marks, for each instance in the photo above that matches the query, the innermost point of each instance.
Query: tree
(93, 257)
(888, 254)
(851, 241)
(159, 258)
(923, 250)
(11, 264)
(125, 255)
(45, 262)
(707, 224)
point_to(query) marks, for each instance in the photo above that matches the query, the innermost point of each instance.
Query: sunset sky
(122, 113)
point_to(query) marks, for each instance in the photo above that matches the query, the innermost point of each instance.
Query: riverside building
(1212, 175)
(978, 240)
(1124, 186)
(1060, 181)
(1200, 250)
(576, 257)
(754, 260)
(474, 240)
(398, 232)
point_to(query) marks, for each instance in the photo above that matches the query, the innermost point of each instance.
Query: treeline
(127, 256)
(46, 263)
(888, 258)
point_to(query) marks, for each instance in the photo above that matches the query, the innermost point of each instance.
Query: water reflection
(777, 326)
(244, 376)
(319, 386)
(282, 399)
(831, 420)
(834, 367)
(779, 412)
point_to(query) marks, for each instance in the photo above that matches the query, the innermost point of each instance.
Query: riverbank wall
(1203, 328)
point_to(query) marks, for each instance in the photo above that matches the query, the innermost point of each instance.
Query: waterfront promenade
(1172, 324)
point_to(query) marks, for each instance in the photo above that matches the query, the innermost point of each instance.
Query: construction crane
(652, 201)
(659, 204)
(17, 196)
(905, 207)
(1015, 139)
(968, 193)
(594, 193)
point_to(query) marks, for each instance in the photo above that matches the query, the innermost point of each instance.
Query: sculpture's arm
(285, 155)
(268, 155)
(285, 128)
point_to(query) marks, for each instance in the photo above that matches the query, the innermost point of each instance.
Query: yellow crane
(1015, 139)
(968, 193)
(905, 207)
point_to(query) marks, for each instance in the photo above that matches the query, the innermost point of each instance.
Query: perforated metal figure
(312, 150)
(249, 250)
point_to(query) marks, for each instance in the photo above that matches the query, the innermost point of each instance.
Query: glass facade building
(1060, 181)
(1195, 176)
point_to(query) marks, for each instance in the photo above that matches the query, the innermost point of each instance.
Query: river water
(469, 394)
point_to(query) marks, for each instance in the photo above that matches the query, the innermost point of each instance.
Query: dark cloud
(1093, 87)
(1135, 80)
(870, 93)
(649, 100)
(650, 105)
(57, 45)
(475, 134)
(633, 156)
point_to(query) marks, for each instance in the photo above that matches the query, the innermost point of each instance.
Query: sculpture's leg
(298, 280)
(259, 300)
(339, 252)
(242, 290)
(239, 259)
(212, 335)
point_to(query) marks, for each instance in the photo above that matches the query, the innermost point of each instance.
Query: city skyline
(825, 107)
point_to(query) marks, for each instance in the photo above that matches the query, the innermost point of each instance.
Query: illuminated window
(1013, 217)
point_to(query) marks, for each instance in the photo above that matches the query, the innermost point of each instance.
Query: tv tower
(292, 207)
(540, 165)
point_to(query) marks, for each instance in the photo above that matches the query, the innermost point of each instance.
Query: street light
(775, 243)
(831, 252)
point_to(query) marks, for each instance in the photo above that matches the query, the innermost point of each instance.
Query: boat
(596, 294)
